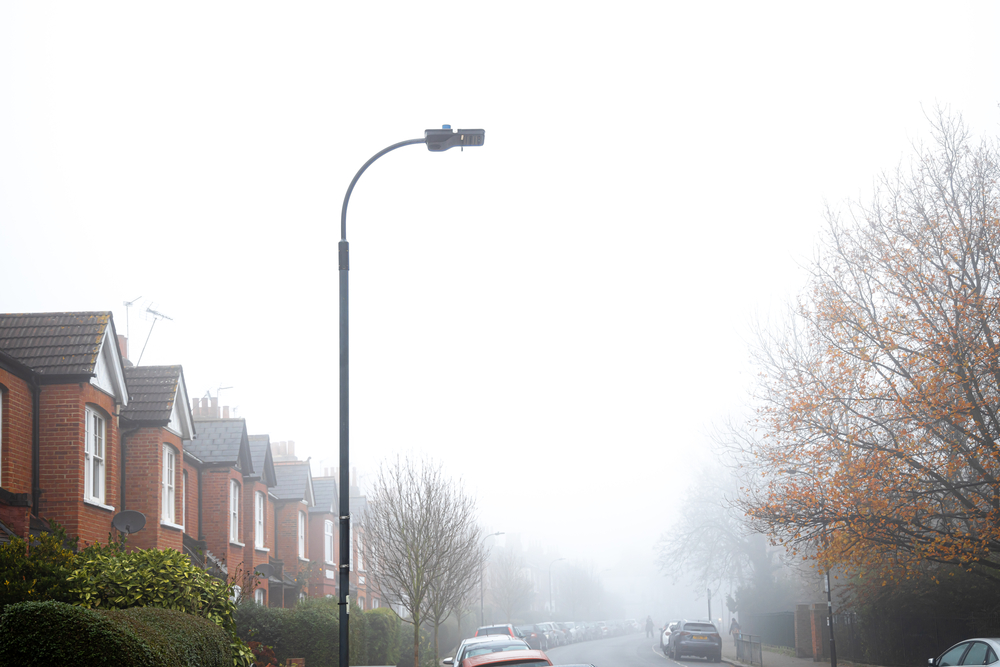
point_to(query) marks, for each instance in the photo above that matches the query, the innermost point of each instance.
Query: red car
(522, 658)
(507, 629)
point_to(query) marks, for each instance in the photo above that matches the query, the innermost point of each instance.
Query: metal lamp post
(482, 598)
(552, 608)
(436, 141)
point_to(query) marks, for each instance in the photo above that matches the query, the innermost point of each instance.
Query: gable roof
(222, 442)
(294, 481)
(327, 500)
(159, 397)
(65, 347)
(263, 464)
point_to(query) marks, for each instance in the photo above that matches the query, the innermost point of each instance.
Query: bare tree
(710, 538)
(510, 587)
(421, 537)
(459, 558)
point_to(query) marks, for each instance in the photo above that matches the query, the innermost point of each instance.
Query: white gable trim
(181, 421)
(109, 373)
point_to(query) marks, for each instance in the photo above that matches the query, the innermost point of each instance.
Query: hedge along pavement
(39, 634)
(311, 630)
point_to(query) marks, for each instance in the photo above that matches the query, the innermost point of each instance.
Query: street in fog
(634, 650)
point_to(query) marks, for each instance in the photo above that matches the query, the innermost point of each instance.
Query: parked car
(602, 629)
(978, 651)
(486, 644)
(699, 638)
(570, 630)
(525, 658)
(506, 629)
(534, 636)
(665, 635)
(556, 636)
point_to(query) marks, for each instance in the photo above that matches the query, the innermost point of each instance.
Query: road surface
(635, 650)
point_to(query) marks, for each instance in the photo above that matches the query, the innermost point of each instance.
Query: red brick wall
(62, 460)
(191, 522)
(15, 439)
(215, 515)
(287, 536)
(144, 488)
(320, 585)
(252, 557)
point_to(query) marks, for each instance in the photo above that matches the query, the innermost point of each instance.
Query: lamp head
(445, 138)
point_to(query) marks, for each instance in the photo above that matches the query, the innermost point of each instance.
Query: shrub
(312, 631)
(152, 578)
(182, 638)
(381, 637)
(35, 571)
(54, 633)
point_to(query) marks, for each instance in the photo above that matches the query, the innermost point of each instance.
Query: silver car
(487, 644)
(978, 651)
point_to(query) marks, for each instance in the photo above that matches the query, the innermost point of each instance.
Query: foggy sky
(559, 316)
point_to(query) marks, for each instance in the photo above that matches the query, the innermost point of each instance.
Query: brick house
(363, 589)
(154, 426)
(258, 507)
(293, 496)
(219, 458)
(62, 386)
(324, 545)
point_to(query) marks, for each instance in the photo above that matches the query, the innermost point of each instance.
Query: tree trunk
(416, 640)
(437, 651)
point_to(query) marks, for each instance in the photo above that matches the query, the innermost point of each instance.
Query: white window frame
(328, 541)
(184, 497)
(234, 511)
(169, 484)
(95, 449)
(302, 534)
(258, 596)
(258, 509)
(350, 550)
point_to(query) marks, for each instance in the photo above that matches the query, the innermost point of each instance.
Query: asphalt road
(635, 650)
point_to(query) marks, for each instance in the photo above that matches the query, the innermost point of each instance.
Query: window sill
(236, 544)
(94, 503)
(262, 549)
(168, 524)
(304, 560)
(330, 563)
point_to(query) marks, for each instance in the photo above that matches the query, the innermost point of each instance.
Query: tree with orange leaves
(876, 443)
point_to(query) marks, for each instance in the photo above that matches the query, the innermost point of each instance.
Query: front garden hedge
(54, 633)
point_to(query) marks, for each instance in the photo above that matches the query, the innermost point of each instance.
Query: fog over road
(635, 650)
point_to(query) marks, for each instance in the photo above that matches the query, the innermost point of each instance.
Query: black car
(699, 638)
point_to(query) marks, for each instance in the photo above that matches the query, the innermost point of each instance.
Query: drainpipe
(36, 444)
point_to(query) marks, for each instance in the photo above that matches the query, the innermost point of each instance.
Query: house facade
(84, 434)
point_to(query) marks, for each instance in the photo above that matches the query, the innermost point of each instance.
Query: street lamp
(551, 606)
(482, 603)
(436, 141)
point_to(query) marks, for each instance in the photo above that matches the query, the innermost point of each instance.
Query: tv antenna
(156, 318)
(129, 304)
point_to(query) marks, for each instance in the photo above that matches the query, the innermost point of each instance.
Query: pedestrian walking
(734, 630)
(649, 626)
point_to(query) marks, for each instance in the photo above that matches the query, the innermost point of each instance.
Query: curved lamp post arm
(350, 188)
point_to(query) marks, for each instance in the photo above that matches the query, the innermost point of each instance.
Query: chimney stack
(225, 412)
(123, 346)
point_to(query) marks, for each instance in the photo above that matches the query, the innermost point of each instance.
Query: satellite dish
(129, 521)
(264, 569)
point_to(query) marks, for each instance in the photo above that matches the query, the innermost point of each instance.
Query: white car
(665, 635)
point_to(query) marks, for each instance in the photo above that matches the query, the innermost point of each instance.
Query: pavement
(775, 659)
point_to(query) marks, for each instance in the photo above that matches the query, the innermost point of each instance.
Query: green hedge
(51, 633)
(55, 633)
(311, 630)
